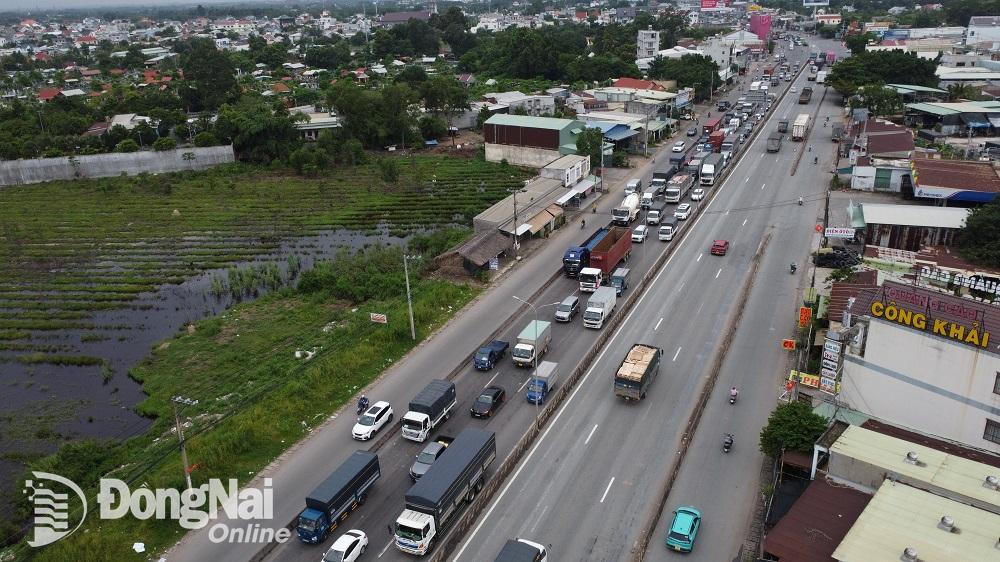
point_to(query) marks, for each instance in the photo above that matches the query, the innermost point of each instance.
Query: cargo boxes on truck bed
(637, 371)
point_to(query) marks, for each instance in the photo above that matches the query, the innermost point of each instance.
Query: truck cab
(415, 532)
(313, 526)
(590, 279)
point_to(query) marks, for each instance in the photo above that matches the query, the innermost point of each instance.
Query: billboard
(709, 4)
(812, 3)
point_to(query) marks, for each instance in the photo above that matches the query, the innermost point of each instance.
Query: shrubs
(127, 145)
(376, 273)
(165, 143)
(205, 139)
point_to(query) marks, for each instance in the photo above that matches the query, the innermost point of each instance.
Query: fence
(19, 172)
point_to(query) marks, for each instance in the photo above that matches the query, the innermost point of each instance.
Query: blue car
(684, 529)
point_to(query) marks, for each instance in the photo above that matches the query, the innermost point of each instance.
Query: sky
(40, 5)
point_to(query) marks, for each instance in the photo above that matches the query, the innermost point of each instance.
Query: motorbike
(362, 406)
(583, 224)
(727, 442)
(792, 268)
(800, 201)
(732, 398)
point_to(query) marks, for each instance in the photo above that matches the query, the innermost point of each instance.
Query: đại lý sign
(974, 282)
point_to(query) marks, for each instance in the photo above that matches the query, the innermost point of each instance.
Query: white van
(634, 185)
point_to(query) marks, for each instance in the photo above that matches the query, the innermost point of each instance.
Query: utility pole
(180, 433)
(409, 301)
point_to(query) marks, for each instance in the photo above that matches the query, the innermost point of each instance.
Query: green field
(82, 247)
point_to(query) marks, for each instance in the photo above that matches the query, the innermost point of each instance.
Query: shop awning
(975, 120)
(619, 134)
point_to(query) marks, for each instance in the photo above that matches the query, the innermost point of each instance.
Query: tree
(792, 427)
(857, 43)
(127, 145)
(958, 92)
(413, 75)
(432, 128)
(209, 78)
(444, 95)
(695, 71)
(330, 57)
(979, 241)
(134, 59)
(879, 100)
(590, 142)
(881, 67)
(258, 132)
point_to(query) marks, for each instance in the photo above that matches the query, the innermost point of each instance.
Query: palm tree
(962, 91)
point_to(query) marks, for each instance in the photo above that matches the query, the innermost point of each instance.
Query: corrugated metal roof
(914, 215)
(913, 88)
(932, 108)
(529, 121)
(901, 517)
(816, 523)
(956, 174)
(958, 476)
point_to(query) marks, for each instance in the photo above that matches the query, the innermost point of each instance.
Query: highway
(589, 485)
(693, 296)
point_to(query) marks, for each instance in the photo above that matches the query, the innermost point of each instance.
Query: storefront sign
(830, 356)
(829, 373)
(838, 232)
(805, 313)
(788, 345)
(832, 346)
(828, 385)
(974, 282)
(900, 310)
(831, 365)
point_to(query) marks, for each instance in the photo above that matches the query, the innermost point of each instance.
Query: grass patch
(14, 335)
(256, 398)
(52, 359)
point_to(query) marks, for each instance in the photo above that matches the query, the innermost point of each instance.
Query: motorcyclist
(815, 159)
(362, 403)
(733, 393)
(800, 199)
(583, 223)
(792, 267)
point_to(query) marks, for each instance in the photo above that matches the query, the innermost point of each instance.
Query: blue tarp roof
(975, 120)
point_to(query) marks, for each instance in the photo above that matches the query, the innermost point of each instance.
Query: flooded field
(96, 273)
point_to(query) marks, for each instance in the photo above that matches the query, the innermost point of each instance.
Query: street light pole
(409, 301)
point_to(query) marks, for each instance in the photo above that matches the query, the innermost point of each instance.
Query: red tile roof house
(636, 84)
(45, 94)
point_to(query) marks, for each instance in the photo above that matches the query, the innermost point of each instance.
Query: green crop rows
(74, 248)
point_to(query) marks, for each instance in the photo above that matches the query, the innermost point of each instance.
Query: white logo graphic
(51, 508)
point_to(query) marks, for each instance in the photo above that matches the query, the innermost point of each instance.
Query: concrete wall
(925, 382)
(520, 156)
(17, 172)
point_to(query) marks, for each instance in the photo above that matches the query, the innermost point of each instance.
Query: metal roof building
(865, 458)
(901, 517)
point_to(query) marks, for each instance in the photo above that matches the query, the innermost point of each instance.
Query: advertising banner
(709, 4)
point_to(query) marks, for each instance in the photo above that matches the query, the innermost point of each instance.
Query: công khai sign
(923, 310)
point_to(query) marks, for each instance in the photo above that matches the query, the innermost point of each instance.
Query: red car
(720, 247)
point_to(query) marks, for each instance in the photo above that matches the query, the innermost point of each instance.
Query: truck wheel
(362, 498)
(479, 485)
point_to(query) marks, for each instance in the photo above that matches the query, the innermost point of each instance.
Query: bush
(165, 143)
(127, 145)
(205, 139)
(432, 128)
(792, 427)
(389, 169)
(376, 273)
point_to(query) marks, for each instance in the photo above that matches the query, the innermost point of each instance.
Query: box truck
(430, 408)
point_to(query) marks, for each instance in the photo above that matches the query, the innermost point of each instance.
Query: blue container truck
(340, 494)
(578, 257)
(489, 355)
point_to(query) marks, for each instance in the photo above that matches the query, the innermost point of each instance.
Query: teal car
(684, 529)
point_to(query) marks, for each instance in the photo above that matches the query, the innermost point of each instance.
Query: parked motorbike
(727, 442)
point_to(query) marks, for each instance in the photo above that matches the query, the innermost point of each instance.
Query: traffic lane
(318, 455)
(724, 486)
(576, 481)
(396, 456)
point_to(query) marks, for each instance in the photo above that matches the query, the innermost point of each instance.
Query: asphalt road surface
(588, 486)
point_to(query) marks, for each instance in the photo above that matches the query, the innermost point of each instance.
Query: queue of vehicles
(450, 471)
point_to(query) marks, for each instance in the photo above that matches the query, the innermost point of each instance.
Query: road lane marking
(538, 520)
(494, 377)
(744, 222)
(699, 309)
(523, 385)
(657, 327)
(608, 489)
(718, 273)
(386, 548)
(746, 180)
(762, 185)
(681, 286)
(591, 434)
(678, 352)
(699, 258)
